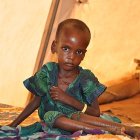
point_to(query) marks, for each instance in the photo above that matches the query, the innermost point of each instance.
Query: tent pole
(45, 39)
(46, 35)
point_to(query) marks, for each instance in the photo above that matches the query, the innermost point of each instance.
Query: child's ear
(53, 47)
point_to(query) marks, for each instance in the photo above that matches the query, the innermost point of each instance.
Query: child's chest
(63, 83)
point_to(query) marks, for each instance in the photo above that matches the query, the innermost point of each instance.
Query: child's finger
(53, 87)
(54, 95)
(53, 91)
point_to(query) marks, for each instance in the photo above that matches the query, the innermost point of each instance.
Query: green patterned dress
(85, 88)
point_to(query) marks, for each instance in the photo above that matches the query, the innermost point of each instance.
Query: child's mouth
(69, 64)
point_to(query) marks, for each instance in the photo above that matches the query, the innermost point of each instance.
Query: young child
(65, 93)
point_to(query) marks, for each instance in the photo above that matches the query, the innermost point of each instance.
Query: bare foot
(133, 132)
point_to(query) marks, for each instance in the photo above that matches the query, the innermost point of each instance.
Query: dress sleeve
(39, 84)
(91, 87)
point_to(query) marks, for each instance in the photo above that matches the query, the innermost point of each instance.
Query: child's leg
(74, 125)
(95, 120)
(110, 126)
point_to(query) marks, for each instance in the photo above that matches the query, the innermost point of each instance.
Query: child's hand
(58, 94)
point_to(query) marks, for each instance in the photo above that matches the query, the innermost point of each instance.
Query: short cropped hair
(74, 23)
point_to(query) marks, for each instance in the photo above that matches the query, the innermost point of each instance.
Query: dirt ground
(127, 110)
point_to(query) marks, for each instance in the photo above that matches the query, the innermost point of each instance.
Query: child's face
(71, 48)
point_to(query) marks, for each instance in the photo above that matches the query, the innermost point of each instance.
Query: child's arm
(59, 95)
(29, 109)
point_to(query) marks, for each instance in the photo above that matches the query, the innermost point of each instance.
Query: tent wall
(22, 24)
(115, 28)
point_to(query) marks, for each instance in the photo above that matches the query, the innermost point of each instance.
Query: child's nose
(71, 55)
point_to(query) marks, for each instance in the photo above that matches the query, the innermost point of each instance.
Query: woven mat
(9, 113)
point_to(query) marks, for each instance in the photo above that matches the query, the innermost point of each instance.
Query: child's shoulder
(87, 73)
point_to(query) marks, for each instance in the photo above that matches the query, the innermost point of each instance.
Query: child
(65, 93)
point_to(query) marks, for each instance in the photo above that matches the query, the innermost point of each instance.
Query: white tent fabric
(22, 24)
(115, 28)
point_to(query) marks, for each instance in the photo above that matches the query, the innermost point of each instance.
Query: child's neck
(65, 78)
(67, 74)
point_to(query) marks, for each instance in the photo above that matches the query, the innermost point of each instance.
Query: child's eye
(79, 52)
(65, 49)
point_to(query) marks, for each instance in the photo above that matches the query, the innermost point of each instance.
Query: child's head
(71, 41)
(71, 25)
